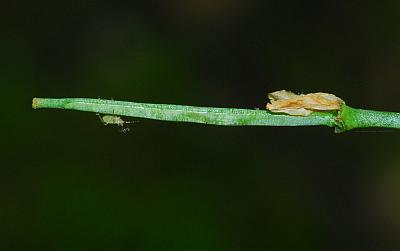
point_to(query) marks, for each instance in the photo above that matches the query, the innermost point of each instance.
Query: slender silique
(346, 119)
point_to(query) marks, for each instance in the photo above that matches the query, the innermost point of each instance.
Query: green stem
(181, 113)
(348, 118)
(358, 118)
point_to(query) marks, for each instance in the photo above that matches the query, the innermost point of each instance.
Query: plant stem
(359, 118)
(181, 113)
(348, 118)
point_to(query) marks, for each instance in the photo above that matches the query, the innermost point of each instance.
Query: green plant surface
(352, 118)
(346, 119)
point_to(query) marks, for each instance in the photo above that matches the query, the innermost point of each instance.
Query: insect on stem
(113, 120)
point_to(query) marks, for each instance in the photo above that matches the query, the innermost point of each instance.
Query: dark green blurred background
(69, 183)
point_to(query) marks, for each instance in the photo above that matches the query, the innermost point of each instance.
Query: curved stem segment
(181, 113)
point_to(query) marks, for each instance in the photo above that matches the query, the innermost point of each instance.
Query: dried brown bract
(303, 104)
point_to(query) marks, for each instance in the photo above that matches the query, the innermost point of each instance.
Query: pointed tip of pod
(35, 103)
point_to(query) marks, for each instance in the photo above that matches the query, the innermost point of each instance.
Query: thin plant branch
(344, 119)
